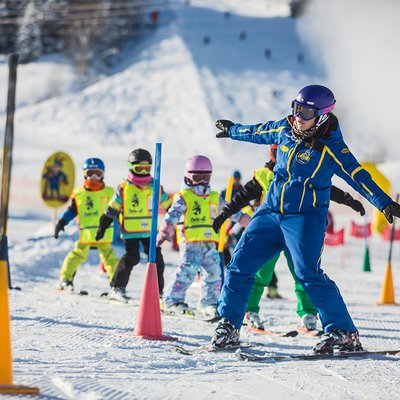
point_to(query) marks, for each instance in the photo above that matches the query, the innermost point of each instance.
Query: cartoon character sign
(58, 179)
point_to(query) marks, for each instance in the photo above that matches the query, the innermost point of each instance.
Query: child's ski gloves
(165, 232)
(59, 227)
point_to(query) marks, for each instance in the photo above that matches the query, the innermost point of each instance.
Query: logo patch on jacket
(345, 150)
(89, 204)
(304, 156)
(135, 200)
(196, 208)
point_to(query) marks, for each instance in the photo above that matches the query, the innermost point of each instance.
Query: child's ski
(125, 300)
(293, 333)
(80, 293)
(247, 356)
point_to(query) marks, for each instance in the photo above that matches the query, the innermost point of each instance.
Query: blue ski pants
(267, 234)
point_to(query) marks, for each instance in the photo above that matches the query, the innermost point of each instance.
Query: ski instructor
(293, 215)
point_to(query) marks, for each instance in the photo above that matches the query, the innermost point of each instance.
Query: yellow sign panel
(58, 179)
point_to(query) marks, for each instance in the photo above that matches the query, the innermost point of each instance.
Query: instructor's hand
(224, 125)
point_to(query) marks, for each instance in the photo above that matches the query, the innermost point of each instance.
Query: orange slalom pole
(6, 374)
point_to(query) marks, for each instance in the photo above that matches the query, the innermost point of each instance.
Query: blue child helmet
(237, 175)
(93, 163)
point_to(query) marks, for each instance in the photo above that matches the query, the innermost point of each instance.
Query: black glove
(218, 221)
(391, 210)
(104, 223)
(354, 204)
(59, 227)
(224, 125)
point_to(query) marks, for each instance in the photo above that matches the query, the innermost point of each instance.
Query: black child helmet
(142, 157)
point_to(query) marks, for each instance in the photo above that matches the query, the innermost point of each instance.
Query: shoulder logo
(304, 156)
(284, 148)
(345, 150)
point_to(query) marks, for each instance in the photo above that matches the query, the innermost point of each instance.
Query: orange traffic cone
(387, 291)
(148, 321)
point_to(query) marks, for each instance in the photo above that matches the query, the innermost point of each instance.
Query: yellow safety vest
(264, 177)
(136, 207)
(197, 223)
(91, 206)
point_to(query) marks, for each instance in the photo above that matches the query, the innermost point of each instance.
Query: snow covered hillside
(209, 59)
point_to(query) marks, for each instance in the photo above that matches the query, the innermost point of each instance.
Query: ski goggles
(94, 174)
(308, 113)
(200, 178)
(140, 169)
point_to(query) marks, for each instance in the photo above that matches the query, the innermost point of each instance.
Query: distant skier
(293, 215)
(131, 207)
(192, 211)
(255, 190)
(88, 202)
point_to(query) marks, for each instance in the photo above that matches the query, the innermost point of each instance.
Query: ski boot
(225, 334)
(66, 285)
(309, 322)
(118, 294)
(338, 340)
(252, 320)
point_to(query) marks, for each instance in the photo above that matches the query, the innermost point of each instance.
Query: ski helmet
(93, 163)
(198, 170)
(93, 166)
(138, 155)
(237, 175)
(313, 101)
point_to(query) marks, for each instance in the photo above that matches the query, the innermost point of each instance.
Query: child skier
(311, 150)
(88, 202)
(131, 206)
(193, 210)
(256, 189)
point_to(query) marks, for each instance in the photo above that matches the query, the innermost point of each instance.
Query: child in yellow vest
(131, 207)
(192, 211)
(88, 202)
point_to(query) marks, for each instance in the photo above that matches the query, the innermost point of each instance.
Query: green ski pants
(79, 254)
(263, 279)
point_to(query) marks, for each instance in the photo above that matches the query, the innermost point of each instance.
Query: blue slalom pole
(156, 199)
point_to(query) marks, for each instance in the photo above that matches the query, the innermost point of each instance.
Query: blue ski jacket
(303, 171)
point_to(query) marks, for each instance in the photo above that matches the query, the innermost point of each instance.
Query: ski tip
(291, 334)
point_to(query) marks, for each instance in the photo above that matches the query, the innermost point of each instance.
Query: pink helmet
(198, 170)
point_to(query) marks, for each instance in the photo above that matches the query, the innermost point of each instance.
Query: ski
(258, 331)
(304, 331)
(292, 333)
(127, 299)
(186, 313)
(208, 348)
(247, 356)
(80, 293)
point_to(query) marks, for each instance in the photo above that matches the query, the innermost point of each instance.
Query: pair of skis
(244, 355)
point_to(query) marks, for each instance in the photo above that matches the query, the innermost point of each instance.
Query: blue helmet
(313, 101)
(237, 175)
(93, 163)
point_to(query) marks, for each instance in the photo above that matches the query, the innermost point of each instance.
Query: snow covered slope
(212, 59)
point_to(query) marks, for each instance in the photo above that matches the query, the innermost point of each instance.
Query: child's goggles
(307, 113)
(140, 169)
(94, 174)
(200, 178)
